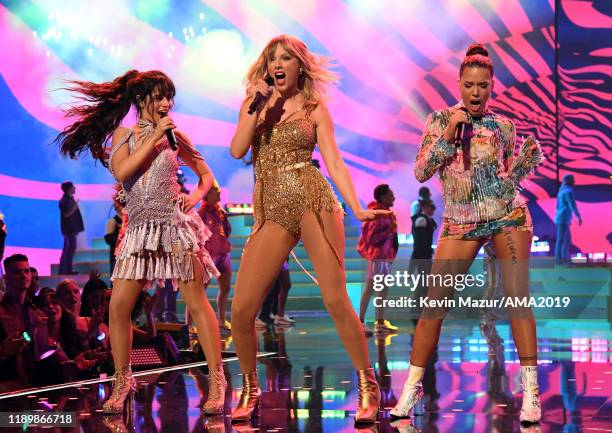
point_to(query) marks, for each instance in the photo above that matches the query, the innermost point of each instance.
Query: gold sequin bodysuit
(287, 184)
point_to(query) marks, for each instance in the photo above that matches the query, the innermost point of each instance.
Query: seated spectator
(92, 298)
(91, 333)
(58, 326)
(23, 328)
(34, 286)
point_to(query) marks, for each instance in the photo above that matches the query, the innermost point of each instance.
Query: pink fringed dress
(161, 241)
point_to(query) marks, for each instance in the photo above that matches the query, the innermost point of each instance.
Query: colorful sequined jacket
(378, 240)
(480, 178)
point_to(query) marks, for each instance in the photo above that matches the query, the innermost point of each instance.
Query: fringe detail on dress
(320, 198)
(317, 196)
(165, 250)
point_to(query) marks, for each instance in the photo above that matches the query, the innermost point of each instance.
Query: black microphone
(259, 98)
(459, 131)
(170, 135)
(459, 134)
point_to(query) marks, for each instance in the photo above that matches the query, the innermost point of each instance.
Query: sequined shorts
(517, 219)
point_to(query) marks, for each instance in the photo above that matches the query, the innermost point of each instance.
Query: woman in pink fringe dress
(165, 237)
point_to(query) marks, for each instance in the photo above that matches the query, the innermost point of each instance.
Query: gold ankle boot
(369, 396)
(123, 386)
(249, 398)
(216, 391)
(115, 423)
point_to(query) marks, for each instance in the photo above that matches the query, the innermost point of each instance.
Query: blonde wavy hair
(312, 83)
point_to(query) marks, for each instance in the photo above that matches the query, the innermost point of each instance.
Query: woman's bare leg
(332, 281)
(203, 315)
(261, 261)
(512, 250)
(451, 256)
(123, 299)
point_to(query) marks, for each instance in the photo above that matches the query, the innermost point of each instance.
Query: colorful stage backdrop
(398, 61)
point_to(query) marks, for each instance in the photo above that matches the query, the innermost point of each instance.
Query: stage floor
(309, 386)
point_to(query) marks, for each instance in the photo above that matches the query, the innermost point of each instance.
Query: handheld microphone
(459, 131)
(458, 134)
(259, 98)
(170, 136)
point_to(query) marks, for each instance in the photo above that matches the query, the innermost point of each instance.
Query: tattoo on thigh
(512, 247)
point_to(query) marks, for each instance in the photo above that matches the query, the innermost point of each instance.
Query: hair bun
(475, 49)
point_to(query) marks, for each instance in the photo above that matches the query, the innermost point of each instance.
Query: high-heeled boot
(531, 410)
(369, 396)
(411, 398)
(216, 391)
(412, 394)
(214, 424)
(115, 423)
(123, 386)
(249, 398)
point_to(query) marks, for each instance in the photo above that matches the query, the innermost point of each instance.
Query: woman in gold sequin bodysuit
(480, 175)
(165, 237)
(293, 201)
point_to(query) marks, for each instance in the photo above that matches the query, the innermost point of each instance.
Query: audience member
(219, 247)
(71, 225)
(378, 244)
(23, 328)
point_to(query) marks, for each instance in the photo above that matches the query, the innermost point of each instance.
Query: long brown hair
(103, 107)
(312, 82)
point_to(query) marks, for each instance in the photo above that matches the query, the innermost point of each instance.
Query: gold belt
(284, 168)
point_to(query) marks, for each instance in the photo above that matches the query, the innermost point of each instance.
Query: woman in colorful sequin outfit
(293, 201)
(165, 237)
(480, 176)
